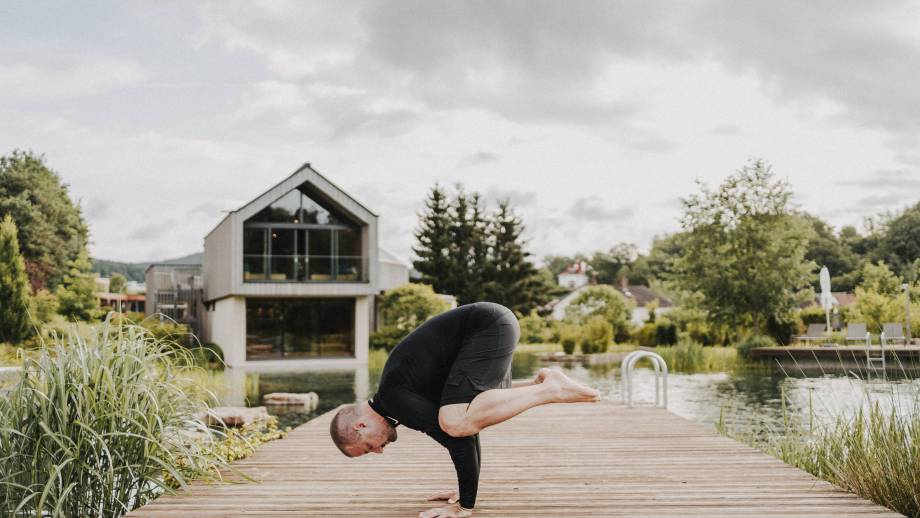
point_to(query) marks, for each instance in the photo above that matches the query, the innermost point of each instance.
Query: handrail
(869, 358)
(661, 376)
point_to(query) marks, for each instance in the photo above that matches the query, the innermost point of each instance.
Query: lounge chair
(815, 332)
(894, 333)
(857, 333)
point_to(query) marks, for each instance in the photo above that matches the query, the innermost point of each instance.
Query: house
(640, 295)
(175, 291)
(291, 277)
(574, 276)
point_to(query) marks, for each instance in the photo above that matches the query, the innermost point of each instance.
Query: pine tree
(14, 286)
(512, 279)
(434, 241)
(470, 247)
(77, 294)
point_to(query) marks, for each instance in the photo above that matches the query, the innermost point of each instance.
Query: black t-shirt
(413, 380)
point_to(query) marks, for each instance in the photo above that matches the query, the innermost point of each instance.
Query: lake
(747, 399)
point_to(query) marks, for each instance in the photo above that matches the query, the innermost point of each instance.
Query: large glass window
(299, 328)
(296, 239)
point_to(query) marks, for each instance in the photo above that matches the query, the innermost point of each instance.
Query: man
(450, 378)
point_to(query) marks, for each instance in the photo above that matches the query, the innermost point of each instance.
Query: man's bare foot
(566, 390)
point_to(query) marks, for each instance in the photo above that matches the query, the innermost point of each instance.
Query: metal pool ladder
(872, 360)
(661, 377)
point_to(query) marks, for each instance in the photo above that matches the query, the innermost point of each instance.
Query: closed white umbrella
(827, 300)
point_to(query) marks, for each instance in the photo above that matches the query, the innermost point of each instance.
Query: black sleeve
(464, 451)
(420, 413)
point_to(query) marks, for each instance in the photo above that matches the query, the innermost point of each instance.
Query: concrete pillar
(363, 306)
(228, 329)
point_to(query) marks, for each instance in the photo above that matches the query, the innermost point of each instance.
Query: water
(747, 399)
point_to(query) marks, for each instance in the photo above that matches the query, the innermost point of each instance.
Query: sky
(593, 117)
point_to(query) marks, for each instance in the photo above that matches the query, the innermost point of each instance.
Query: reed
(873, 451)
(98, 426)
(693, 357)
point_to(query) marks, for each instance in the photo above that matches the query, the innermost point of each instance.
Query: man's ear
(360, 424)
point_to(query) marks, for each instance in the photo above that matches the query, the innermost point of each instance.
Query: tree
(610, 265)
(827, 249)
(77, 292)
(899, 243)
(745, 250)
(512, 280)
(118, 283)
(433, 238)
(51, 227)
(465, 251)
(600, 300)
(403, 309)
(878, 278)
(14, 286)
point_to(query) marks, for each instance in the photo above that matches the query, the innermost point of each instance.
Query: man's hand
(450, 511)
(450, 495)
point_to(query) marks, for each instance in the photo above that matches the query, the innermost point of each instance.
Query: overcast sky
(593, 117)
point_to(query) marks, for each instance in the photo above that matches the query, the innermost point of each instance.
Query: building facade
(291, 277)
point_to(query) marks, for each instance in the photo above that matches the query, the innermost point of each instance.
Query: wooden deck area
(555, 461)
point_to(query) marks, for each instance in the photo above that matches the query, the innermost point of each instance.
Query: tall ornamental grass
(874, 453)
(98, 426)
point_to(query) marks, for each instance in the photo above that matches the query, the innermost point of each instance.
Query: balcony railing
(304, 268)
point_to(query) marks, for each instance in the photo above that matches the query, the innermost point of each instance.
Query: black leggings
(484, 360)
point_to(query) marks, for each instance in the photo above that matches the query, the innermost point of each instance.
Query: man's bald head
(356, 429)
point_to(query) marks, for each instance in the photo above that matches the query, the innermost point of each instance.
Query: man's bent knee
(454, 421)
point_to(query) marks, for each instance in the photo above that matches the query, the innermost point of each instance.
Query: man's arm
(421, 414)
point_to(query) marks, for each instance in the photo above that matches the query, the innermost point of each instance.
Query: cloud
(575, 63)
(479, 158)
(151, 231)
(597, 209)
(518, 199)
(35, 71)
(727, 130)
(898, 179)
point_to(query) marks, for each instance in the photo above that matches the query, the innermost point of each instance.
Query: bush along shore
(99, 426)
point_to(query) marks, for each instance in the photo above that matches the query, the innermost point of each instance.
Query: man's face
(372, 438)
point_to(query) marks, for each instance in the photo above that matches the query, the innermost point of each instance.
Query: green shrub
(570, 335)
(532, 328)
(813, 315)
(601, 300)
(387, 338)
(95, 427)
(596, 335)
(645, 335)
(403, 309)
(754, 342)
(665, 332)
(44, 306)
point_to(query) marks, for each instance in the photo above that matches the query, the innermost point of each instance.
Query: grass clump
(692, 357)
(99, 426)
(874, 453)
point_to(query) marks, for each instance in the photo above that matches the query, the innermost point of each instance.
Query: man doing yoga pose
(450, 378)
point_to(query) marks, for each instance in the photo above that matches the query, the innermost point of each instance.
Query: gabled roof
(305, 174)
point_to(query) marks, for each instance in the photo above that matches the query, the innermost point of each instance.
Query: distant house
(640, 295)
(293, 276)
(574, 276)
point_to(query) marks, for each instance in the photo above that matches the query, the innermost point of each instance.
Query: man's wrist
(464, 509)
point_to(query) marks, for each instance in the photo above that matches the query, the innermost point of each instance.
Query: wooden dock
(554, 461)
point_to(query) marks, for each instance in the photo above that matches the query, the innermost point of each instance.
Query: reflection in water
(747, 399)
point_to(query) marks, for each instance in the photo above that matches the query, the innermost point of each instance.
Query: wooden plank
(557, 460)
